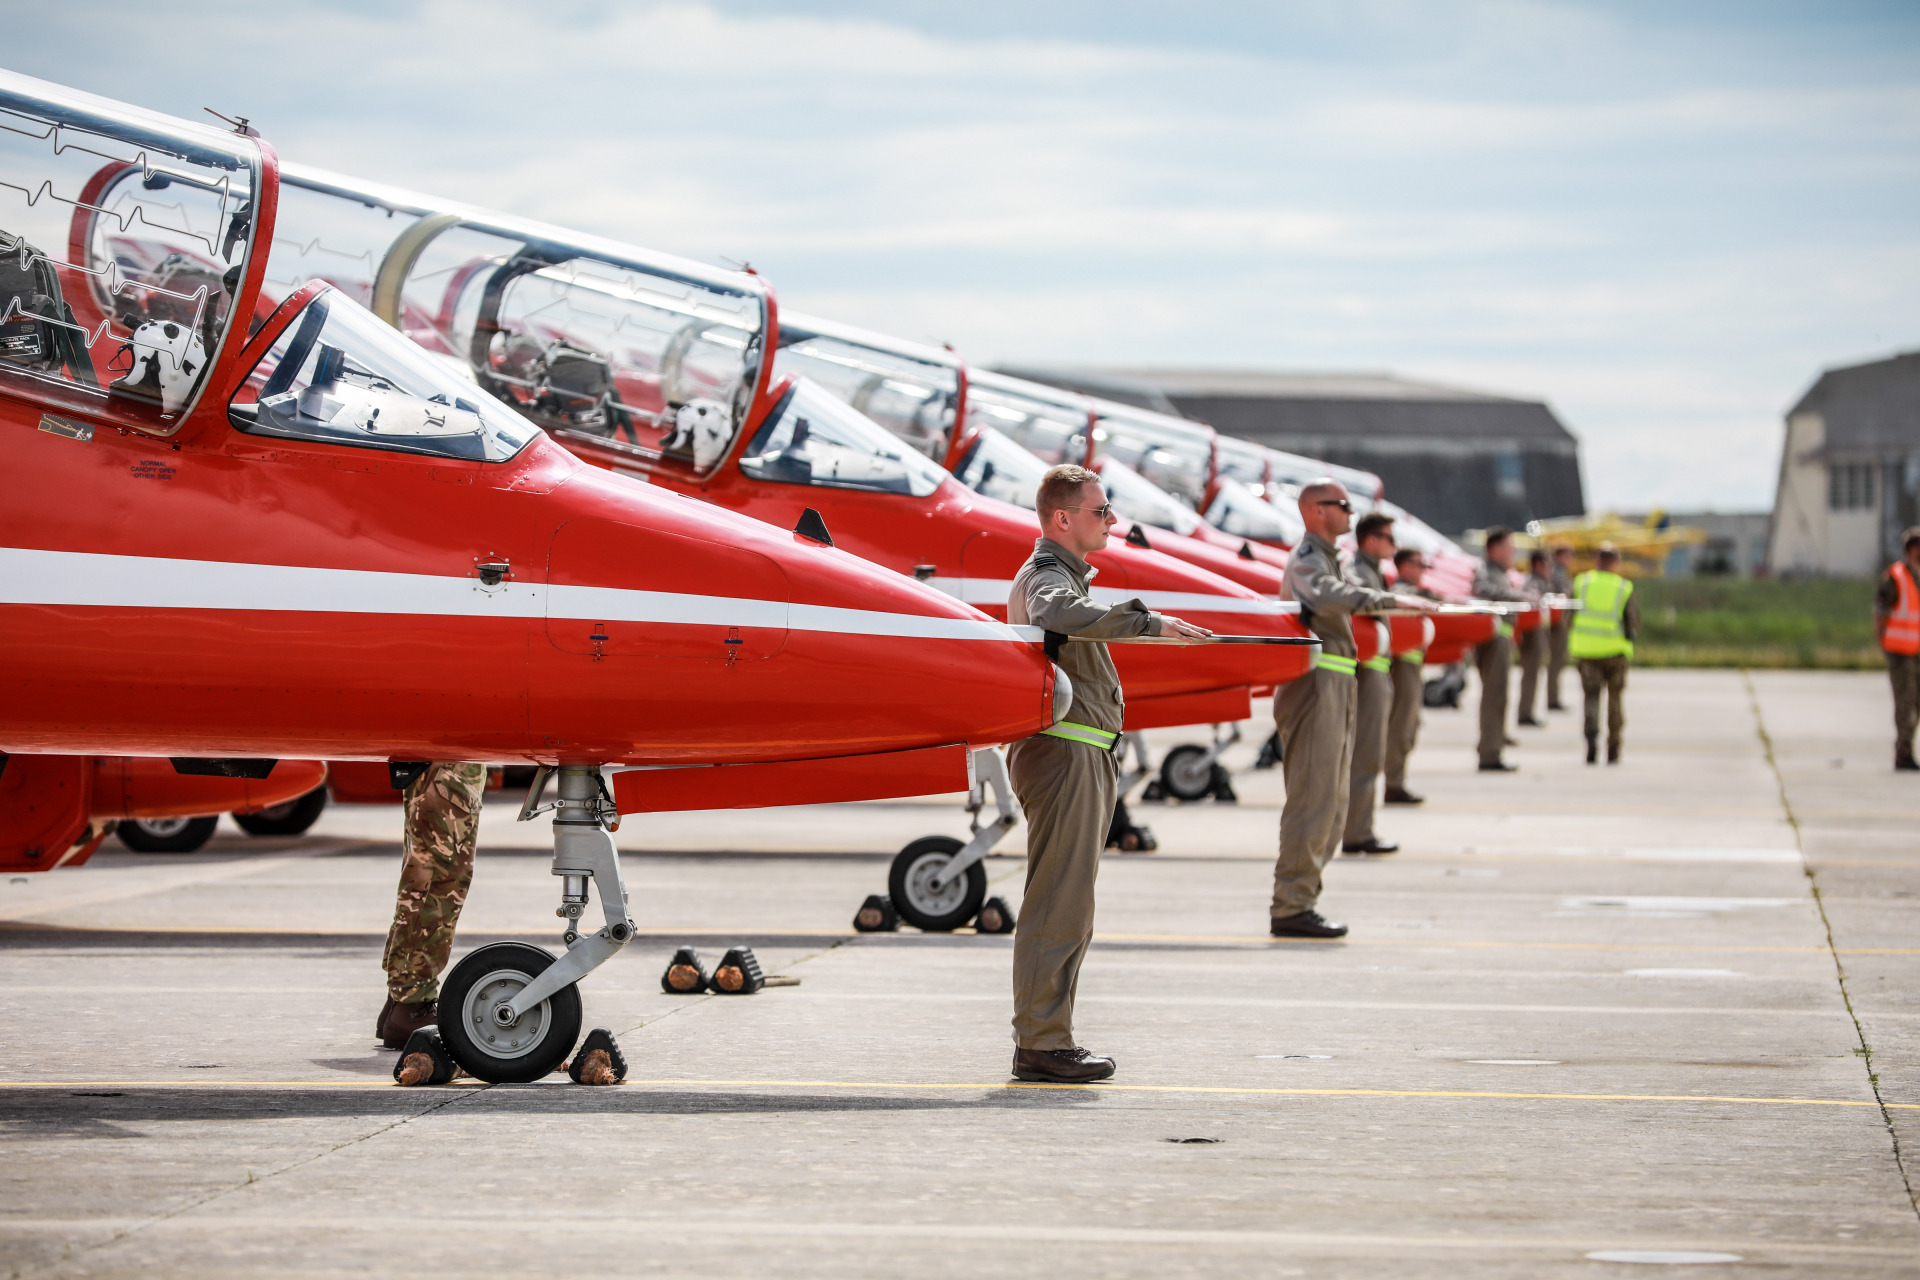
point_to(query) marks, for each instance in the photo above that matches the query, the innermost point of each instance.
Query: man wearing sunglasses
(1066, 776)
(1314, 715)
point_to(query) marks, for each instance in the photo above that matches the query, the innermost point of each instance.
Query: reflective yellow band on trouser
(1379, 663)
(1413, 655)
(1332, 662)
(1083, 733)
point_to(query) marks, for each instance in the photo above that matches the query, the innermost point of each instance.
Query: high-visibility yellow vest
(1599, 628)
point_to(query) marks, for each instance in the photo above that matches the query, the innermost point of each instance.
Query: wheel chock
(876, 915)
(1221, 787)
(598, 1060)
(1153, 793)
(995, 916)
(685, 975)
(738, 973)
(424, 1060)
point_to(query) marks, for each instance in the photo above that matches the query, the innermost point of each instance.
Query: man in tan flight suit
(1409, 686)
(1494, 657)
(1065, 776)
(1373, 693)
(1560, 580)
(1534, 644)
(1314, 714)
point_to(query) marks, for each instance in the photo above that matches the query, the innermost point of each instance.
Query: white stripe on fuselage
(994, 591)
(85, 579)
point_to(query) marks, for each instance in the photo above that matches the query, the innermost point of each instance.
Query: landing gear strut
(1191, 772)
(937, 883)
(509, 1012)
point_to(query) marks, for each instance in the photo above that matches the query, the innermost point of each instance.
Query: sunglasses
(1104, 510)
(1341, 503)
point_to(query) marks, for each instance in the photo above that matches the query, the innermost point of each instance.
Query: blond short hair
(1060, 487)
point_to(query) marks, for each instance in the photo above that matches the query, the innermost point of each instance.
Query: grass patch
(1761, 623)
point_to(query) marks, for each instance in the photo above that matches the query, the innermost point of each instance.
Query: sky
(1664, 219)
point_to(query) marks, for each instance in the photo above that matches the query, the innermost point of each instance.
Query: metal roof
(1868, 407)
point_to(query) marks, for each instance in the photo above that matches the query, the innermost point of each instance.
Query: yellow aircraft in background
(1643, 545)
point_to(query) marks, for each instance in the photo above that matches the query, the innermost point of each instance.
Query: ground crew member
(1493, 658)
(1534, 644)
(1065, 776)
(1409, 687)
(1373, 694)
(1601, 642)
(1896, 620)
(1314, 715)
(436, 867)
(1561, 578)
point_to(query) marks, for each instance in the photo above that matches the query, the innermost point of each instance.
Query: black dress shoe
(1372, 844)
(1498, 766)
(1593, 751)
(1307, 924)
(1060, 1066)
(1531, 723)
(1613, 753)
(1905, 764)
(1400, 795)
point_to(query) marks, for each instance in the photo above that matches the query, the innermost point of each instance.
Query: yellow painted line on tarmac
(1103, 1087)
(1238, 1090)
(1500, 945)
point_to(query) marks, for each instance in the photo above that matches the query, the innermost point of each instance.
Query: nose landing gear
(937, 883)
(510, 1012)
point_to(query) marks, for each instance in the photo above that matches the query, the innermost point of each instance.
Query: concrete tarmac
(1589, 1022)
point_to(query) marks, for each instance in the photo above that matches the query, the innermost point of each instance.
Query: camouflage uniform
(436, 866)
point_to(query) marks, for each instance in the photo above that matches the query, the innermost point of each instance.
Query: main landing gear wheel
(165, 835)
(472, 1001)
(910, 885)
(288, 819)
(1187, 774)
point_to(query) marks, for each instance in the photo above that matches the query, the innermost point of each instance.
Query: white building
(1850, 471)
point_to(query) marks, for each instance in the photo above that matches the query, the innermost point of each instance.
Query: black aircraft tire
(1186, 773)
(287, 819)
(940, 912)
(531, 1048)
(165, 835)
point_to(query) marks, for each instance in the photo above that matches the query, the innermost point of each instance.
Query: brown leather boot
(1060, 1066)
(403, 1020)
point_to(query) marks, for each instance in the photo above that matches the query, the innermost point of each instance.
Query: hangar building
(1457, 459)
(1849, 471)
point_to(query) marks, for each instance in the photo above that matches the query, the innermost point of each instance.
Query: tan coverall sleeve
(1056, 604)
(1321, 591)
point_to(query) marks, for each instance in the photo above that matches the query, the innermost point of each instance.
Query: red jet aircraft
(234, 533)
(652, 367)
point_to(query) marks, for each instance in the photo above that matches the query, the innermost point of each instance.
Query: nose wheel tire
(165, 835)
(288, 819)
(1186, 773)
(473, 1027)
(910, 884)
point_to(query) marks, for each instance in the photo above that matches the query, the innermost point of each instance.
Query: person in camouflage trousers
(436, 868)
